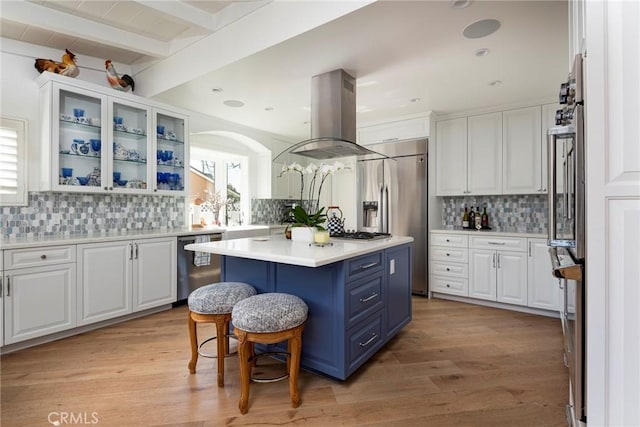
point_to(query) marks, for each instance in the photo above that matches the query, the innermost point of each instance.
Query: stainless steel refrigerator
(392, 198)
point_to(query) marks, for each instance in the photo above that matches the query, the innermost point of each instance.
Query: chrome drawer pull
(369, 298)
(369, 341)
(43, 256)
(496, 243)
(366, 266)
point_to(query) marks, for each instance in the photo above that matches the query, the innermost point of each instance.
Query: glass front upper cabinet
(170, 152)
(78, 141)
(95, 141)
(130, 147)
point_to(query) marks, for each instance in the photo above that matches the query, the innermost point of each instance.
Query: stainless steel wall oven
(567, 231)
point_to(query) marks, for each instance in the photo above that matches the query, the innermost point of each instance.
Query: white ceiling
(397, 50)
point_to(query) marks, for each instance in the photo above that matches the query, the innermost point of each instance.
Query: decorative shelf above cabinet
(95, 140)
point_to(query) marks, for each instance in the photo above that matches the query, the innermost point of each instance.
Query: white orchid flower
(326, 169)
(311, 169)
(338, 166)
(296, 167)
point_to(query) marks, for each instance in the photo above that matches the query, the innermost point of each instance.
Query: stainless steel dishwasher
(191, 276)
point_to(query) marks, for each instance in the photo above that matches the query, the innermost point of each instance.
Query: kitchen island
(358, 292)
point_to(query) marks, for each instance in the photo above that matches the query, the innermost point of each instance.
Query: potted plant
(305, 225)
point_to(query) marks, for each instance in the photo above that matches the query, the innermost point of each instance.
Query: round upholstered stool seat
(269, 318)
(213, 304)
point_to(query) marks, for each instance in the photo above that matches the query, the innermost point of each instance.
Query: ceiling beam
(183, 12)
(32, 14)
(267, 26)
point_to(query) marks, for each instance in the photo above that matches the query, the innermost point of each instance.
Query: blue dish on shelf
(83, 180)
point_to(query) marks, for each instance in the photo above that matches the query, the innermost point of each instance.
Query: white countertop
(490, 233)
(277, 248)
(97, 237)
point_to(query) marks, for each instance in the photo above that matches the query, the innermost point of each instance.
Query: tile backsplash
(50, 214)
(507, 213)
(271, 211)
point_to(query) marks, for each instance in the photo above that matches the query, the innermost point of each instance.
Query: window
(227, 174)
(13, 162)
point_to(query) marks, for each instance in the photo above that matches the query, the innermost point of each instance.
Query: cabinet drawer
(363, 298)
(498, 243)
(450, 269)
(36, 257)
(450, 240)
(364, 265)
(363, 341)
(449, 254)
(448, 285)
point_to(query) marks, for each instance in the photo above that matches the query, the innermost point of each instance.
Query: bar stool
(213, 304)
(267, 319)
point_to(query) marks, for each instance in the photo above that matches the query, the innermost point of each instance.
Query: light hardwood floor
(455, 364)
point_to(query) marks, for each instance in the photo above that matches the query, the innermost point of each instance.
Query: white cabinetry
(154, 272)
(121, 277)
(451, 157)
(114, 145)
(498, 274)
(39, 292)
(496, 153)
(484, 151)
(400, 130)
(543, 288)
(105, 281)
(449, 271)
(523, 160)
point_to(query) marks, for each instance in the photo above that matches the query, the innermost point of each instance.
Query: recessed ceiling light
(495, 83)
(415, 99)
(482, 52)
(233, 103)
(269, 109)
(216, 89)
(459, 4)
(481, 28)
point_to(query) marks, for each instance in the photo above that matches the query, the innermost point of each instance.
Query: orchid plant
(318, 173)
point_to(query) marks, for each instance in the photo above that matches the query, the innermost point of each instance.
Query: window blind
(13, 142)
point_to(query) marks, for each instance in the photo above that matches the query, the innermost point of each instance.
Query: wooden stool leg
(221, 337)
(295, 348)
(244, 352)
(193, 335)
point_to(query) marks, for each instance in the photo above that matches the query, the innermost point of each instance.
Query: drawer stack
(450, 264)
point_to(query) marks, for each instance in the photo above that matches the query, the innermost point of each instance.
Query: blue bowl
(122, 182)
(83, 180)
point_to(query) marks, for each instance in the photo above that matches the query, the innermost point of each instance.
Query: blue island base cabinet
(355, 305)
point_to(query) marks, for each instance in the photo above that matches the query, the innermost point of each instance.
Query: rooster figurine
(123, 83)
(67, 67)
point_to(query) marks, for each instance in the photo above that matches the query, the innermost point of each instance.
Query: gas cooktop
(360, 235)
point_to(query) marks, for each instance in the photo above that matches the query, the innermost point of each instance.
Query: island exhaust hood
(333, 120)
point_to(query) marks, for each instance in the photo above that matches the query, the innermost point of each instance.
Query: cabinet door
(511, 271)
(482, 274)
(398, 295)
(104, 279)
(77, 134)
(543, 288)
(400, 130)
(154, 272)
(484, 162)
(451, 157)
(39, 301)
(129, 154)
(172, 156)
(522, 155)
